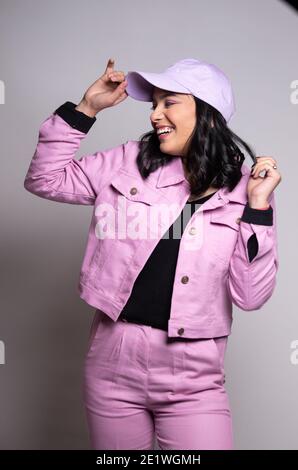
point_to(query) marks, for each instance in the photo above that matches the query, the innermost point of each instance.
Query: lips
(164, 136)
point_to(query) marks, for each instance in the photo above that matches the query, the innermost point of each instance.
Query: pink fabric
(213, 268)
(138, 384)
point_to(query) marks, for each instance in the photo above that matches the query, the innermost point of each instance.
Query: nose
(156, 117)
(156, 113)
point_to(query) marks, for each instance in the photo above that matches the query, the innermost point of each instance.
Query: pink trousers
(139, 383)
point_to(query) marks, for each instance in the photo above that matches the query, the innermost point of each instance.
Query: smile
(165, 136)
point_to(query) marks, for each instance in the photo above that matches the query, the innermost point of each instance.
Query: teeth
(164, 130)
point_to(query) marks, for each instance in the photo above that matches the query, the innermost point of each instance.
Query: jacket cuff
(257, 216)
(74, 117)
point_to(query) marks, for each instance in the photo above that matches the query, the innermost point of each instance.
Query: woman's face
(176, 110)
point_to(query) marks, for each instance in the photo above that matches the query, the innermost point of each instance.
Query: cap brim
(140, 85)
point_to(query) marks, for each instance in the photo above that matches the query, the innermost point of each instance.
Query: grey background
(50, 53)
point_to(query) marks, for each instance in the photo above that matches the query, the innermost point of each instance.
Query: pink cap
(190, 76)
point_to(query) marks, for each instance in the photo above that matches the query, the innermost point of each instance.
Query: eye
(167, 103)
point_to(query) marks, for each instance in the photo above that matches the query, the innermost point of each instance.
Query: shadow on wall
(292, 3)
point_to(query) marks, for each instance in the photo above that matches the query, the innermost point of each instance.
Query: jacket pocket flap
(134, 189)
(226, 218)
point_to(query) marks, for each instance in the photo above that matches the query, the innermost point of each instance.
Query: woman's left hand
(259, 188)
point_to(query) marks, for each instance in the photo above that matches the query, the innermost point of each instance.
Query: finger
(110, 66)
(119, 90)
(121, 98)
(270, 162)
(266, 166)
(116, 76)
(113, 77)
(265, 158)
(260, 159)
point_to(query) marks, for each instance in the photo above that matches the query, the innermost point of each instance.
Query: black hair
(213, 157)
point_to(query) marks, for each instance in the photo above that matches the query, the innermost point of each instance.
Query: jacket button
(133, 191)
(238, 220)
(192, 230)
(180, 331)
(184, 279)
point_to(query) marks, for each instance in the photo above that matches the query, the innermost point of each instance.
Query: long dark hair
(213, 157)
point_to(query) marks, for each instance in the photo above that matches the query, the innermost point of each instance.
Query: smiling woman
(195, 99)
(179, 114)
(200, 136)
(162, 285)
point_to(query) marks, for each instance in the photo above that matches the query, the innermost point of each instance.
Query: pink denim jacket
(131, 215)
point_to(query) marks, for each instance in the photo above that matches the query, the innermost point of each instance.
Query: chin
(174, 152)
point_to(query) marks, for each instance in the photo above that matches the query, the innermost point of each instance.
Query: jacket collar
(239, 193)
(173, 173)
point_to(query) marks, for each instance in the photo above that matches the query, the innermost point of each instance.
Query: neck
(210, 190)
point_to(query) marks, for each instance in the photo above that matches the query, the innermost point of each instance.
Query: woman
(180, 231)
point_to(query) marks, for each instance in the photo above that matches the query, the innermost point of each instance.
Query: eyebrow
(171, 93)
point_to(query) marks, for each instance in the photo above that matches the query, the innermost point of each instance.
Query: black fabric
(150, 300)
(74, 117)
(257, 216)
(252, 247)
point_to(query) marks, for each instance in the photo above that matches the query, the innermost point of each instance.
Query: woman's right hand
(106, 91)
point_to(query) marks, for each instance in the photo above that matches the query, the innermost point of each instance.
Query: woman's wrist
(84, 108)
(259, 204)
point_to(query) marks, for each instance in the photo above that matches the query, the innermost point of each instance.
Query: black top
(150, 299)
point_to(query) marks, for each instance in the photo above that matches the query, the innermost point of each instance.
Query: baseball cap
(191, 76)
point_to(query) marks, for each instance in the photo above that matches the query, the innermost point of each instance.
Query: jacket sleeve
(260, 217)
(55, 174)
(251, 282)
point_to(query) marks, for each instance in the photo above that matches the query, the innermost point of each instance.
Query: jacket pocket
(134, 189)
(136, 202)
(224, 231)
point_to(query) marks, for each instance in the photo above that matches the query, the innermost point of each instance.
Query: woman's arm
(251, 282)
(55, 174)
